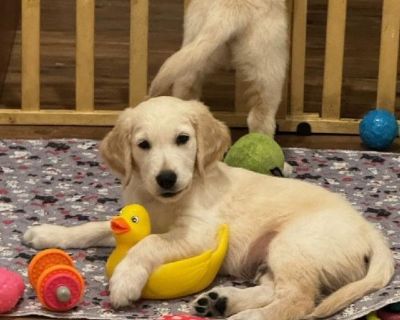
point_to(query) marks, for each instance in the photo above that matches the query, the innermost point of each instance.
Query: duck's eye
(144, 144)
(135, 219)
(182, 139)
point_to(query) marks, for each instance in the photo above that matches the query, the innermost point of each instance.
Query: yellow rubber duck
(131, 226)
(172, 280)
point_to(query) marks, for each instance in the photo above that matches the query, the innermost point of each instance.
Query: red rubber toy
(58, 284)
(386, 315)
(181, 317)
(11, 289)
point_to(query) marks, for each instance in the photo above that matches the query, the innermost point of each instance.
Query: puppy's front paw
(126, 284)
(45, 236)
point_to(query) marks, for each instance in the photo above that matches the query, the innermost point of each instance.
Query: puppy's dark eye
(145, 145)
(182, 139)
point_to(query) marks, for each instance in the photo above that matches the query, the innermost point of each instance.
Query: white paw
(126, 284)
(287, 169)
(45, 236)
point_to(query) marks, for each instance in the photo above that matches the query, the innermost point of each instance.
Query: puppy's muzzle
(167, 179)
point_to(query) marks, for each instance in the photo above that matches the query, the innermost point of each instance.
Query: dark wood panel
(10, 11)
(112, 51)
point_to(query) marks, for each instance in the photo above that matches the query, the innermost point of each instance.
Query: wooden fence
(291, 113)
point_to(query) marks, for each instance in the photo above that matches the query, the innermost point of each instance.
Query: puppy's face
(164, 148)
(164, 142)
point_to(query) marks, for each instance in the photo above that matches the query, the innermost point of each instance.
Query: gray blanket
(64, 182)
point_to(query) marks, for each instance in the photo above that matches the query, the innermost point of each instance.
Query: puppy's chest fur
(203, 210)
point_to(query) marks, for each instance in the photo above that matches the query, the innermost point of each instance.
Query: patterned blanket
(65, 182)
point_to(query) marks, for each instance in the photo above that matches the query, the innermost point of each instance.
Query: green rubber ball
(256, 152)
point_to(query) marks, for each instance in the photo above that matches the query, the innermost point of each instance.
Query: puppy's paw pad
(210, 305)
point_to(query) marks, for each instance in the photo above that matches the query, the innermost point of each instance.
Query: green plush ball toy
(256, 152)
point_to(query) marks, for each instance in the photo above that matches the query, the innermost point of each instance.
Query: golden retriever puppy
(310, 252)
(249, 35)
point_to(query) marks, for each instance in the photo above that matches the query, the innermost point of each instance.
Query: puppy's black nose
(166, 179)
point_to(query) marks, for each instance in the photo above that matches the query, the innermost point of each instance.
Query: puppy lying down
(310, 253)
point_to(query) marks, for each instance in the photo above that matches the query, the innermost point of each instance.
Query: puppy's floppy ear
(213, 136)
(116, 148)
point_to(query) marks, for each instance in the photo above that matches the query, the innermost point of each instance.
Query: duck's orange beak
(119, 225)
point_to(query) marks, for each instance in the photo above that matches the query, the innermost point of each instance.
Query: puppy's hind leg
(289, 303)
(261, 117)
(296, 280)
(194, 56)
(265, 94)
(189, 86)
(226, 301)
(262, 57)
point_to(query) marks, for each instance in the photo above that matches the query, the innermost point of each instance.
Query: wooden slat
(232, 119)
(10, 12)
(94, 118)
(334, 52)
(138, 51)
(108, 118)
(58, 117)
(389, 55)
(186, 4)
(285, 104)
(241, 86)
(284, 107)
(240, 97)
(85, 55)
(318, 125)
(30, 51)
(298, 65)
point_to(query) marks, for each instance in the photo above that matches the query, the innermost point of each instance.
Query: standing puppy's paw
(210, 304)
(287, 169)
(45, 236)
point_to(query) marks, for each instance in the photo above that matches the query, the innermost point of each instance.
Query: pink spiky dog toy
(11, 289)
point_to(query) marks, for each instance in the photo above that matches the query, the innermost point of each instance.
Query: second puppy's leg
(190, 85)
(261, 55)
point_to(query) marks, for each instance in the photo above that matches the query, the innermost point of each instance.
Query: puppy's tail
(193, 57)
(380, 272)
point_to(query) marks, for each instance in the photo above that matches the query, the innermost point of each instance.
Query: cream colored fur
(310, 241)
(250, 35)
